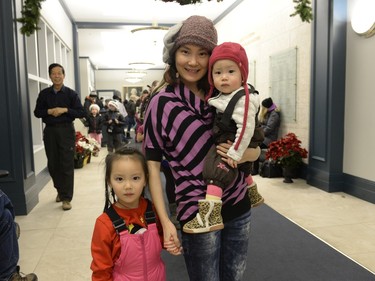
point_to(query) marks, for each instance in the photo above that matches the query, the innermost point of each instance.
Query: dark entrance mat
(280, 250)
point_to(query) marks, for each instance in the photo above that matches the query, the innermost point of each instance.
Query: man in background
(58, 106)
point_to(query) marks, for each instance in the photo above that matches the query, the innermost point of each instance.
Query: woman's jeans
(218, 255)
(8, 239)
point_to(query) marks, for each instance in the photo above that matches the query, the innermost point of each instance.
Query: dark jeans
(218, 255)
(114, 141)
(130, 123)
(59, 143)
(9, 253)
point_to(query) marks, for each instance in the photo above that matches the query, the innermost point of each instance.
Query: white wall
(115, 79)
(55, 16)
(359, 104)
(265, 28)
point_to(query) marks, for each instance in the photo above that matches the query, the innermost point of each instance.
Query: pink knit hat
(234, 52)
(196, 30)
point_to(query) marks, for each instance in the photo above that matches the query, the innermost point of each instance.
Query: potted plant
(84, 147)
(288, 153)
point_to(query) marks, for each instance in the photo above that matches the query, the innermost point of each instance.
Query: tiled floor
(56, 244)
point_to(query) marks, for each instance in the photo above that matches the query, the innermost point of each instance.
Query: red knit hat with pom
(234, 52)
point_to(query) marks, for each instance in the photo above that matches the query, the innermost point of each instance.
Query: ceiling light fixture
(133, 80)
(141, 65)
(152, 27)
(136, 73)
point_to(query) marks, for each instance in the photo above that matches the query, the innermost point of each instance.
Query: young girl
(95, 122)
(126, 243)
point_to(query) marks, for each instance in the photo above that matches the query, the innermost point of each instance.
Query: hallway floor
(55, 244)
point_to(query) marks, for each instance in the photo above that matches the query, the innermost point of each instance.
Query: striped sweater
(178, 126)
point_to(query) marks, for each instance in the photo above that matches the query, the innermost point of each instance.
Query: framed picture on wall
(128, 89)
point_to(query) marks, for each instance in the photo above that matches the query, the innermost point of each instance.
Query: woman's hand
(171, 242)
(250, 154)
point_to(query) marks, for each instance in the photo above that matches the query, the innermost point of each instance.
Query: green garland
(303, 9)
(30, 16)
(187, 2)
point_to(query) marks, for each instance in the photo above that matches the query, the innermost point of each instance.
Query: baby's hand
(232, 163)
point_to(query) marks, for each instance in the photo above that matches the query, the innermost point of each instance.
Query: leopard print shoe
(207, 219)
(255, 198)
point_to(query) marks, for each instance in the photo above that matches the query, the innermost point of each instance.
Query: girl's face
(127, 180)
(94, 111)
(226, 76)
(191, 64)
(111, 107)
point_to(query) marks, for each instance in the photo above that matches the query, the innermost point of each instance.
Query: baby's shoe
(207, 219)
(255, 198)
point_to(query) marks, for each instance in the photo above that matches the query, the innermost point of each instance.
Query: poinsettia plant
(84, 146)
(287, 151)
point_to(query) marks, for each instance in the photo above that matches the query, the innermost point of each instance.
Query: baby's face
(226, 76)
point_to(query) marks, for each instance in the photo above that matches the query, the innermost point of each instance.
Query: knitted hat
(236, 53)
(229, 51)
(113, 103)
(267, 103)
(94, 105)
(196, 30)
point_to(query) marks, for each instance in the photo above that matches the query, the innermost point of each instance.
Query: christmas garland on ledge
(303, 9)
(187, 2)
(30, 16)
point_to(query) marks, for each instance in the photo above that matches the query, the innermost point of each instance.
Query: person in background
(127, 238)
(269, 117)
(95, 123)
(227, 73)
(143, 103)
(115, 126)
(9, 234)
(58, 106)
(270, 120)
(120, 105)
(92, 99)
(130, 107)
(178, 126)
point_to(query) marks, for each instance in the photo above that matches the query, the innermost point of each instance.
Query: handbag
(268, 169)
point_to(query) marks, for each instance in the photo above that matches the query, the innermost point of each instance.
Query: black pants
(219, 173)
(59, 143)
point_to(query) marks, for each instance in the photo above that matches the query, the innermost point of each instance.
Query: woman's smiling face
(191, 64)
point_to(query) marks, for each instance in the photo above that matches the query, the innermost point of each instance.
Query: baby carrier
(225, 123)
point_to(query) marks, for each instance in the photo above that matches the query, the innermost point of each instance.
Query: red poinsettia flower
(287, 151)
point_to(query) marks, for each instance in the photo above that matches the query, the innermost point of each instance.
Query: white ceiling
(104, 27)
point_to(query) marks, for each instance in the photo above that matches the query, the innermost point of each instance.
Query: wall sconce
(363, 18)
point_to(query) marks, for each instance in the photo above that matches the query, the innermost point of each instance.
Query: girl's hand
(171, 242)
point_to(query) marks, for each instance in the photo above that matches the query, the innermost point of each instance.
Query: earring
(177, 75)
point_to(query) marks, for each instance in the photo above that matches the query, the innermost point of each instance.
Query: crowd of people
(198, 126)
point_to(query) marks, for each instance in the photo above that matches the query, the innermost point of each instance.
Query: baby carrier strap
(227, 114)
(119, 223)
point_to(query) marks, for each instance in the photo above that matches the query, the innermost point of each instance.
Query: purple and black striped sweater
(178, 126)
